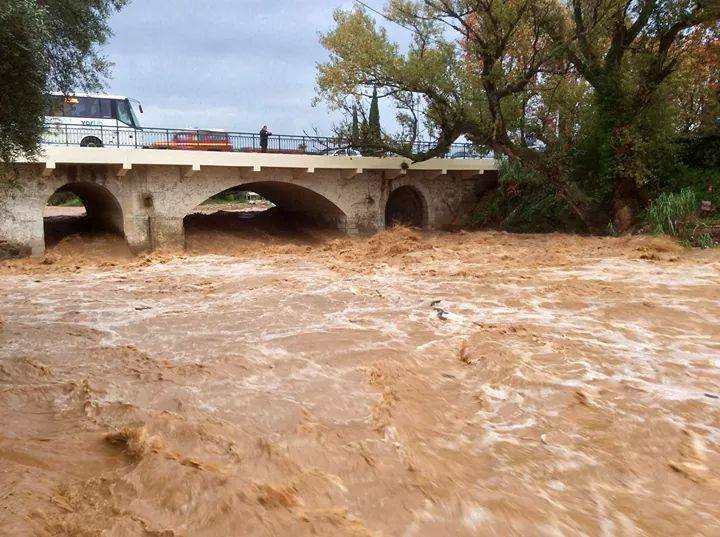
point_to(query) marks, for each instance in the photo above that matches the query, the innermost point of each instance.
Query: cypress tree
(374, 119)
(355, 126)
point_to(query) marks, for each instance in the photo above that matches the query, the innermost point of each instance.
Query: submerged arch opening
(265, 210)
(81, 209)
(405, 206)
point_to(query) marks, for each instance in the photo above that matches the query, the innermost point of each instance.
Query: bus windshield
(125, 113)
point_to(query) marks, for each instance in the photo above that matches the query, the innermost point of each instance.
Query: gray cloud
(222, 64)
(231, 64)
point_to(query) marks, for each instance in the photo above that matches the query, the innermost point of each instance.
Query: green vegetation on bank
(684, 200)
(225, 200)
(524, 203)
(598, 106)
(65, 199)
(678, 214)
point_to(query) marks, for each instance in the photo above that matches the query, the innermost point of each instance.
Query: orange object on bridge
(197, 141)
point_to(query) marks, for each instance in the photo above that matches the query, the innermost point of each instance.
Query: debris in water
(693, 455)
(584, 399)
(441, 313)
(273, 497)
(464, 354)
(135, 441)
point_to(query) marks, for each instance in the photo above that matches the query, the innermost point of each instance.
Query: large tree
(46, 45)
(698, 83)
(627, 50)
(588, 78)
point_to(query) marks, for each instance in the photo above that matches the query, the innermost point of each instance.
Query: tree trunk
(590, 213)
(626, 205)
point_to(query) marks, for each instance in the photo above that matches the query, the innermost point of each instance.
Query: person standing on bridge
(264, 135)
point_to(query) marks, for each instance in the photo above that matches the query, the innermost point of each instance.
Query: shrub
(525, 203)
(706, 241)
(664, 214)
(676, 214)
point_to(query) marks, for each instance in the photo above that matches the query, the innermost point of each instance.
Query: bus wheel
(91, 141)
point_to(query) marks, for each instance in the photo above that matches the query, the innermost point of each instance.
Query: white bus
(91, 120)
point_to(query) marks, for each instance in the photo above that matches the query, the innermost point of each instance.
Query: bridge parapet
(72, 135)
(158, 157)
(149, 192)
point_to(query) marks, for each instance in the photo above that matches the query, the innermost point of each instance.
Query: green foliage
(374, 117)
(65, 199)
(601, 83)
(706, 240)
(676, 214)
(23, 69)
(701, 151)
(666, 212)
(226, 200)
(46, 45)
(704, 182)
(525, 203)
(355, 129)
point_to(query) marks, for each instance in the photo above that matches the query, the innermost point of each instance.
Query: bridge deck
(127, 157)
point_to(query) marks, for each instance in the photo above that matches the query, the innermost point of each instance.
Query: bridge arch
(103, 211)
(407, 206)
(294, 198)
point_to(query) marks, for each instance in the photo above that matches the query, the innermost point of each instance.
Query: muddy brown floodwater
(270, 384)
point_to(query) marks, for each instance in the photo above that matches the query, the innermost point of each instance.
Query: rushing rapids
(407, 384)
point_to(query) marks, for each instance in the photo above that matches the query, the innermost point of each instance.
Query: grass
(65, 199)
(676, 214)
(666, 212)
(226, 201)
(75, 202)
(706, 241)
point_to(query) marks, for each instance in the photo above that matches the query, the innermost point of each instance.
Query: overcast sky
(230, 64)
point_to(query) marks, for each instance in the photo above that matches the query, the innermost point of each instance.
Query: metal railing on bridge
(211, 140)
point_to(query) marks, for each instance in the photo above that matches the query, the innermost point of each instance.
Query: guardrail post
(67, 142)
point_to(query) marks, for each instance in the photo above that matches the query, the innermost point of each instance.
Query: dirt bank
(273, 382)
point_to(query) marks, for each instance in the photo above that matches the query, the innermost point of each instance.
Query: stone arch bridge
(144, 194)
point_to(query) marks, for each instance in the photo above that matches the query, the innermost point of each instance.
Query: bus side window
(82, 107)
(106, 109)
(123, 113)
